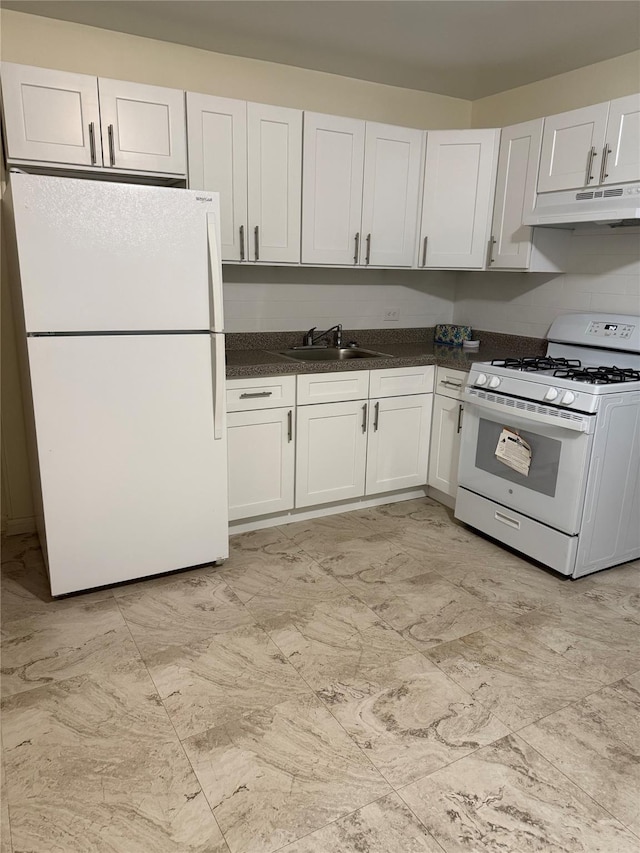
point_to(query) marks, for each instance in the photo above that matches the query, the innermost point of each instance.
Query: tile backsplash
(602, 274)
(269, 299)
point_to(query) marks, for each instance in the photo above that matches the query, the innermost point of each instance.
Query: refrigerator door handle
(217, 319)
(219, 382)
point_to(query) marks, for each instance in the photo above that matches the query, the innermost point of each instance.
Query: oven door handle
(583, 425)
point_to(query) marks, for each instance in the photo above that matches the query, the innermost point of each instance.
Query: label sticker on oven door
(513, 450)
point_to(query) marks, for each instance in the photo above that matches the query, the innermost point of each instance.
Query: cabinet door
(623, 141)
(331, 450)
(332, 189)
(445, 444)
(143, 127)
(261, 462)
(398, 448)
(571, 148)
(217, 141)
(51, 115)
(392, 160)
(458, 195)
(515, 195)
(274, 139)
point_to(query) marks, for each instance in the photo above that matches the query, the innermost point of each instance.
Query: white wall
(270, 299)
(602, 274)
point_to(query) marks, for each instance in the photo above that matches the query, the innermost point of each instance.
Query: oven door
(553, 490)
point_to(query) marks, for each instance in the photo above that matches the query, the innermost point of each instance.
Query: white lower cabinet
(445, 433)
(331, 452)
(261, 455)
(398, 443)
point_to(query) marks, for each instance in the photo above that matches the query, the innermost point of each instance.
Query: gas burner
(599, 375)
(535, 364)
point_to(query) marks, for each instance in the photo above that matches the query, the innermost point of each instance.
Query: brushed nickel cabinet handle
(92, 142)
(256, 237)
(246, 395)
(112, 149)
(590, 156)
(490, 250)
(357, 252)
(460, 410)
(376, 417)
(242, 242)
(450, 384)
(290, 425)
(424, 252)
(368, 257)
(365, 409)
(603, 167)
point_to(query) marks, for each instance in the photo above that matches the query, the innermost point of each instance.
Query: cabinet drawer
(401, 381)
(264, 392)
(333, 387)
(450, 383)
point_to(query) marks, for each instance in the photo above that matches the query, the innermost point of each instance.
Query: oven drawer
(548, 546)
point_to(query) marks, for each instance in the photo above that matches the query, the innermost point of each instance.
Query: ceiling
(462, 48)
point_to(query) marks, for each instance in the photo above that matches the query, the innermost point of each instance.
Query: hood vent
(601, 206)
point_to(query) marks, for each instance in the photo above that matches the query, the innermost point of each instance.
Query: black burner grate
(599, 375)
(535, 364)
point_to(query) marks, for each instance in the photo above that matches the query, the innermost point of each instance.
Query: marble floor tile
(409, 718)
(71, 638)
(323, 537)
(337, 640)
(596, 743)
(419, 513)
(214, 681)
(93, 764)
(372, 557)
(182, 612)
(426, 610)
(280, 585)
(5, 830)
(515, 677)
(256, 542)
(586, 633)
(506, 797)
(277, 775)
(619, 589)
(385, 826)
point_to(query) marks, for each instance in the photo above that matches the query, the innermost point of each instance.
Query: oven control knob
(551, 394)
(481, 379)
(568, 398)
(494, 381)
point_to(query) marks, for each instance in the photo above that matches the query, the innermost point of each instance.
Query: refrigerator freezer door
(133, 482)
(96, 256)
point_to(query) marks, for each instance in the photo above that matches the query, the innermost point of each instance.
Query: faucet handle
(307, 341)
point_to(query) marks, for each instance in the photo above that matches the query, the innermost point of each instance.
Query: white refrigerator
(120, 297)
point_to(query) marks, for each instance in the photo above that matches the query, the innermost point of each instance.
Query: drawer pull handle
(450, 384)
(246, 395)
(505, 519)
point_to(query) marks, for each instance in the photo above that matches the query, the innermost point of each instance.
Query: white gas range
(550, 451)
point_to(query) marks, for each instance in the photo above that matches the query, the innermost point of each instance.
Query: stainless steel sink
(330, 353)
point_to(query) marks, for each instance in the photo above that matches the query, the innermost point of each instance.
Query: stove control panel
(602, 329)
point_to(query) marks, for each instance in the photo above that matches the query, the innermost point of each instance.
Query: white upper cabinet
(360, 192)
(51, 115)
(392, 161)
(459, 180)
(333, 162)
(217, 138)
(143, 127)
(572, 145)
(274, 137)
(78, 120)
(515, 194)
(251, 154)
(621, 161)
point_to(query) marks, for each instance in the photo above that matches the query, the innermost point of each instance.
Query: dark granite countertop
(404, 347)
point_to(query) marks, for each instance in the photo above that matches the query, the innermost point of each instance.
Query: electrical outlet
(391, 314)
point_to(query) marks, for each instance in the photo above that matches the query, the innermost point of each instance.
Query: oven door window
(545, 458)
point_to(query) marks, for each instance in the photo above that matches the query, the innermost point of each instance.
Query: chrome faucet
(311, 340)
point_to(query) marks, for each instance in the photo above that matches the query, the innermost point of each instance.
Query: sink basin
(330, 353)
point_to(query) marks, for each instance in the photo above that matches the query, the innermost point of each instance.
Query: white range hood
(614, 205)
